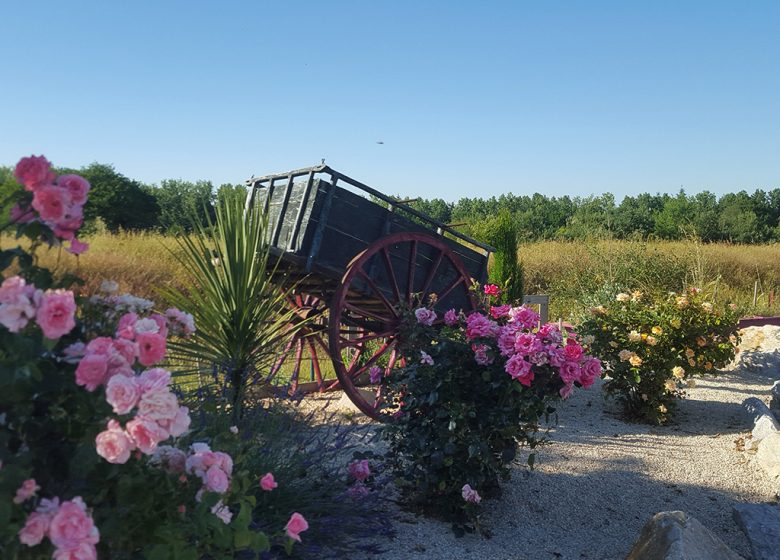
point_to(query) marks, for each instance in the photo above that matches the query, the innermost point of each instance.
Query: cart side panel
(353, 223)
(293, 217)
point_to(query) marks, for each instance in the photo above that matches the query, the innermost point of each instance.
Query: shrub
(654, 346)
(243, 315)
(85, 415)
(469, 395)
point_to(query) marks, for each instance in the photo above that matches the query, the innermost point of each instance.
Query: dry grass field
(572, 273)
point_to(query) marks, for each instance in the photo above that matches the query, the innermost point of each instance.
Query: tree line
(122, 203)
(734, 217)
(117, 202)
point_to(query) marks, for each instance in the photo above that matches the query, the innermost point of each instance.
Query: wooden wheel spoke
(363, 339)
(430, 276)
(275, 368)
(297, 368)
(391, 273)
(367, 313)
(315, 362)
(448, 289)
(370, 362)
(377, 291)
(410, 277)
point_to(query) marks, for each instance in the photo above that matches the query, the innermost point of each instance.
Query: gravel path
(601, 479)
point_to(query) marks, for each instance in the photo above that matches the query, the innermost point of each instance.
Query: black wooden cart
(354, 262)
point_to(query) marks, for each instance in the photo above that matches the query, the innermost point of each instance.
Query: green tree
(120, 202)
(184, 203)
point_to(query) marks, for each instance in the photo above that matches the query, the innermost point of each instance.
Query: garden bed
(602, 478)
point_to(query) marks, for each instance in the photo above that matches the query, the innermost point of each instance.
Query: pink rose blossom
(154, 379)
(113, 444)
(222, 512)
(506, 340)
(125, 326)
(77, 247)
(268, 483)
(26, 491)
(15, 316)
(359, 469)
(556, 356)
(570, 372)
(56, 313)
(591, 370)
(122, 393)
(100, 345)
(479, 326)
(451, 318)
(216, 480)
(526, 344)
(151, 348)
(158, 405)
(51, 203)
(481, 354)
(470, 495)
(19, 215)
(551, 332)
(295, 526)
(71, 526)
(126, 348)
(91, 371)
(33, 171)
(566, 390)
(525, 316)
(183, 323)
(572, 350)
(146, 434)
(223, 461)
(179, 424)
(425, 316)
(520, 369)
(500, 311)
(77, 186)
(82, 551)
(491, 290)
(35, 528)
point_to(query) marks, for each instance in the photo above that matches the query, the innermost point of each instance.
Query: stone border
(766, 438)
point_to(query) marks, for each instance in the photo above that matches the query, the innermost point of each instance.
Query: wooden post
(771, 297)
(755, 293)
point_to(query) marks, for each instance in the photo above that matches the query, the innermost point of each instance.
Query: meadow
(572, 273)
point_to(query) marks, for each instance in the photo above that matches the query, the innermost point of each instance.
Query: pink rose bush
(73, 367)
(57, 202)
(68, 526)
(482, 384)
(53, 310)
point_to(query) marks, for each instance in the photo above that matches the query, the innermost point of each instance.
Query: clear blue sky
(469, 98)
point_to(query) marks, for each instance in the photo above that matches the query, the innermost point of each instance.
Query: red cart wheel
(402, 269)
(307, 346)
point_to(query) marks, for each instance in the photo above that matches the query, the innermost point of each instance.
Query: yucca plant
(241, 315)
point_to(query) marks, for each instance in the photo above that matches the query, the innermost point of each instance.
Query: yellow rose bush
(654, 345)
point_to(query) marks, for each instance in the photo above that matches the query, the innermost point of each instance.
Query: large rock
(673, 535)
(774, 404)
(764, 422)
(761, 524)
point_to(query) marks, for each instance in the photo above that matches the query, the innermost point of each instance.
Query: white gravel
(602, 478)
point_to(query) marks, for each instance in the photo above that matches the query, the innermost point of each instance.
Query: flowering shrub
(470, 394)
(654, 347)
(85, 409)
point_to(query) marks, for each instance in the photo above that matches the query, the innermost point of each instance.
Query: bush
(85, 415)
(654, 346)
(469, 395)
